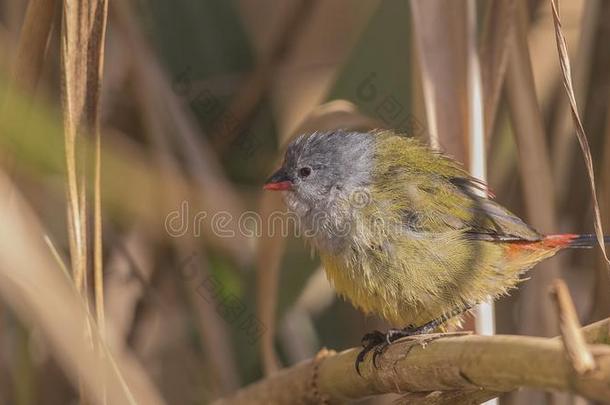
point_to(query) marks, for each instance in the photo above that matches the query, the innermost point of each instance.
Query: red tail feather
(571, 240)
(561, 241)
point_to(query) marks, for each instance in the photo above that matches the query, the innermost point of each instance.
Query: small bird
(404, 232)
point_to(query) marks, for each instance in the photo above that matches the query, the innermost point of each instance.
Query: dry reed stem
(440, 37)
(597, 332)
(82, 50)
(485, 322)
(571, 333)
(601, 298)
(536, 175)
(494, 50)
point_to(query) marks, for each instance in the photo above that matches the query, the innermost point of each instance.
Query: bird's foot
(377, 342)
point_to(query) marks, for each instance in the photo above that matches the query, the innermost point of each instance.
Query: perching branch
(453, 365)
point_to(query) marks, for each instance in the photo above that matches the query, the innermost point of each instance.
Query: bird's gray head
(323, 167)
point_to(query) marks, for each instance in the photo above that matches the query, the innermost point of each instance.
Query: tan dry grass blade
(97, 186)
(82, 50)
(564, 61)
(33, 43)
(45, 298)
(74, 110)
(57, 256)
(98, 281)
(82, 41)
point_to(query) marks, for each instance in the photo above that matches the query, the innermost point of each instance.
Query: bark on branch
(477, 365)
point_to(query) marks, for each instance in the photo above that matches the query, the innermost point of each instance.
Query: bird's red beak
(279, 181)
(280, 186)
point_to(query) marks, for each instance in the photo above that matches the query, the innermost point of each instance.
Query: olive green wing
(490, 220)
(433, 193)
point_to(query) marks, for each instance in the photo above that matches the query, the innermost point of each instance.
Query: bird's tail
(570, 240)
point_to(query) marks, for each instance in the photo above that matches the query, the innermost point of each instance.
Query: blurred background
(165, 250)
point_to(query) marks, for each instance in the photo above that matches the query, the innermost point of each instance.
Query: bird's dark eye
(304, 171)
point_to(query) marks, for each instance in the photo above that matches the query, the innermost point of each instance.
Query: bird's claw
(370, 341)
(378, 342)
